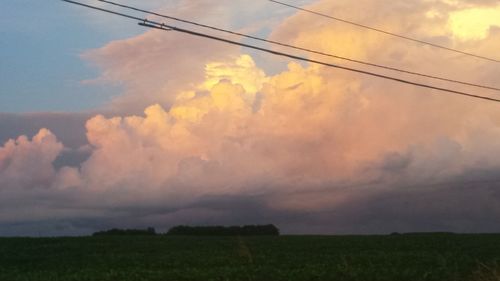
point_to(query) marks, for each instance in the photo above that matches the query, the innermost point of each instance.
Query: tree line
(117, 231)
(246, 230)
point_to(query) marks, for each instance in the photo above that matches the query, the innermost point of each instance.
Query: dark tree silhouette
(246, 230)
(116, 231)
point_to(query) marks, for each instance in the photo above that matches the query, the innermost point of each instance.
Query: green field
(437, 257)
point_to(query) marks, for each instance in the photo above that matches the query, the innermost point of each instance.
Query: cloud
(309, 148)
(27, 163)
(474, 23)
(156, 65)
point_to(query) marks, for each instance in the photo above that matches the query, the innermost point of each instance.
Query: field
(439, 257)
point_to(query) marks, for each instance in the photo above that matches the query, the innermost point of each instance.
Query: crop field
(440, 257)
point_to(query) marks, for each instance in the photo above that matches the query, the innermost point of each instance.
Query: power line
(105, 10)
(301, 48)
(384, 31)
(163, 26)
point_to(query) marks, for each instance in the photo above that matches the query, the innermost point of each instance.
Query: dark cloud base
(462, 208)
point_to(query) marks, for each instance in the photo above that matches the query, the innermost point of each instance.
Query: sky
(104, 123)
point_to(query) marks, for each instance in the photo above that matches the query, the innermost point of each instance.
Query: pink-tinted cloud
(26, 163)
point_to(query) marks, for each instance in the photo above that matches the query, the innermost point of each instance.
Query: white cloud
(27, 163)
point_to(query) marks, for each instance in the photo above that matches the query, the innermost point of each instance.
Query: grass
(439, 257)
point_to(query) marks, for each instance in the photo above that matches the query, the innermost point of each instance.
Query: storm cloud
(311, 149)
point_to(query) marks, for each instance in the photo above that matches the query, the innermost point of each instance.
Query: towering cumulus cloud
(310, 148)
(27, 163)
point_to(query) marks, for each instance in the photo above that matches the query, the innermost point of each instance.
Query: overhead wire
(301, 48)
(153, 24)
(385, 32)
